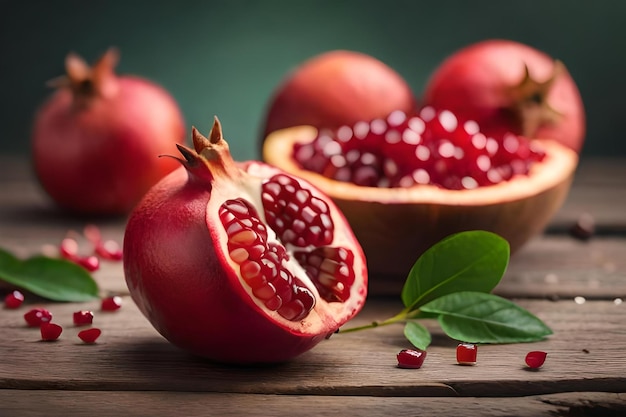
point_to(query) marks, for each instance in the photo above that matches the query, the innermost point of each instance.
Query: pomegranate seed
(109, 250)
(535, 359)
(90, 263)
(89, 335)
(452, 153)
(14, 299)
(50, 331)
(411, 358)
(83, 317)
(111, 303)
(466, 353)
(37, 317)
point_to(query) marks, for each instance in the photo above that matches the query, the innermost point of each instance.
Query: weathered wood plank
(20, 403)
(584, 354)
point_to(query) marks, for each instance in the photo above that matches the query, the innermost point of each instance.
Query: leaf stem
(402, 316)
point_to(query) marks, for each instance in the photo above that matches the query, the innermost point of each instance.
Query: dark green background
(225, 57)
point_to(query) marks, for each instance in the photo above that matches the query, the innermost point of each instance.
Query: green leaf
(465, 261)
(417, 334)
(476, 317)
(54, 279)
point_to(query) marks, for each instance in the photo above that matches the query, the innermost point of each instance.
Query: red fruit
(95, 142)
(111, 303)
(14, 299)
(433, 147)
(466, 353)
(50, 331)
(508, 86)
(241, 266)
(89, 335)
(337, 88)
(37, 316)
(411, 358)
(83, 317)
(535, 359)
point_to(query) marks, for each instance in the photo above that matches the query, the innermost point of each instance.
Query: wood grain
(150, 404)
(133, 371)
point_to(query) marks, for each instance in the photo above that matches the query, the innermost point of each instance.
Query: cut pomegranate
(411, 358)
(50, 331)
(37, 316)
(89, 335)
(466, 353)
(112, 303)
(83, 317)
(14, 299)
(220, 254)
(535, 359)
(432, 147)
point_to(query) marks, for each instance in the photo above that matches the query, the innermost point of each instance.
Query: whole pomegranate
(241, 263)
(509, 86)
(95, 141)
(337, 88)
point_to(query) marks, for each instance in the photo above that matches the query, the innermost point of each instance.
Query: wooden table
(132, 371)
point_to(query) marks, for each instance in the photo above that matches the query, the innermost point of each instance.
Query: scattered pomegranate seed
(14, 299)
(50, 331)
(90, 263)
(37, 317)
(535, 359)
(411, 358)
(69, 250)
(111, 303)
(89, 335)
(466, 353)
(83, 317)
(109, 250)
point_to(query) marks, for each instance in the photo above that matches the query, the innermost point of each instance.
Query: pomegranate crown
(211, 156)
(87, 82)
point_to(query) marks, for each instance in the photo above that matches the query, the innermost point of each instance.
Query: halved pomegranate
(241, 262)
(411, 180)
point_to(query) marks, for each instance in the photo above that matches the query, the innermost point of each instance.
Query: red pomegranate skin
(338, 88)
(475, 83)
(101, 158)
(189, 312)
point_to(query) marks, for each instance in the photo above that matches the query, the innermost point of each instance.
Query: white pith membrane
(245, 191)
(557, 166)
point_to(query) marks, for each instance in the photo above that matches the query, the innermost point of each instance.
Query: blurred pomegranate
(96, 140)
(337, 88)
(508, 86)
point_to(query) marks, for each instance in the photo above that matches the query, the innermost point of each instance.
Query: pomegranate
(37, 316)
(14, 299)
(405, 182)
(112, 303)
(96, 139)
(411, 358)
(337, 88)
(241, 263)
(82, 318)
(509, 86)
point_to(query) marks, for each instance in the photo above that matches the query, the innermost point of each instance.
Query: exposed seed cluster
(301, 220)
(432, 147)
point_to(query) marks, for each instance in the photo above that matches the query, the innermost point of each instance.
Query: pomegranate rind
(336, 88)
(396, 225)
(175, 269)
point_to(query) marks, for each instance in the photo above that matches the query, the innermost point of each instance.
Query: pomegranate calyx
(87, 82)
(529, 103)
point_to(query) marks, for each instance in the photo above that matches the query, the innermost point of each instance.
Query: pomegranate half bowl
(395, 225)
